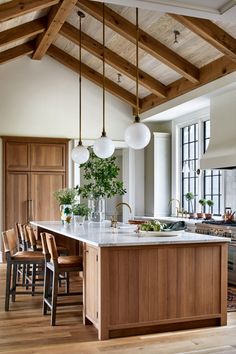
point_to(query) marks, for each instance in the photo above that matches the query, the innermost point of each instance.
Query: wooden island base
(148, 289)
(137, 285)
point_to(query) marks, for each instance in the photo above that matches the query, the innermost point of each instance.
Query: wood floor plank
(23, 330)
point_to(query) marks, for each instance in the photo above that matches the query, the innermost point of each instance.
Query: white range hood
(221, 152)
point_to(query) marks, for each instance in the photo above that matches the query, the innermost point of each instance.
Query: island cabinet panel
(33, 169)
(91, 283)
(156, 286)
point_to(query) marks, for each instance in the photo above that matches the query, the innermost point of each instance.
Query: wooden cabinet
(91, 283)
(34, 169)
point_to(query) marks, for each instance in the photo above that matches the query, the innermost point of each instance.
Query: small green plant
(65, 196)
(202, 202)
(210, 204)
(101, 178)
(80, 209)
(189, 197)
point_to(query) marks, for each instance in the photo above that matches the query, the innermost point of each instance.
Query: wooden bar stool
(14, 259)
(55, 265)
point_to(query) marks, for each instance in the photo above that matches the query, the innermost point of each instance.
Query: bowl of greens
(156, 228)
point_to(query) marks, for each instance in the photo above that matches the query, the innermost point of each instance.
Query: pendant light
(80, 154)
(137, 135)
(103, 147)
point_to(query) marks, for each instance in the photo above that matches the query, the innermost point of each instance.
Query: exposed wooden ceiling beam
(92, 75)
(57, 16)
(113, 59)
(17, 8)
(25, 30)
(211, 33)
(151, 45)
(19, 51)
(210, 72)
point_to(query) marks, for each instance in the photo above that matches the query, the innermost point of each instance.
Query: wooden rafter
(208, 73)
(113, 59)
(211, 33)
(151, 45)
(17, 8)
(91, 75)
(57, 16)
(19, 51)
(25, 30)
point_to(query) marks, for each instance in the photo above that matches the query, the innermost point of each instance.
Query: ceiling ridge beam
(92, 75)
(56, 17)
(116, 61)
(208, 73)
(148, 43)
(17, 8)
(25, 30)
(210, 32)
(16, 52)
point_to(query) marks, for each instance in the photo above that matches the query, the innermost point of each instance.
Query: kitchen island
(137, 285)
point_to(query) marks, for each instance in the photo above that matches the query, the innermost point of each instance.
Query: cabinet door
(17, 156)
(16, 198)
(43, 204)
(91, 283)
(47, 157)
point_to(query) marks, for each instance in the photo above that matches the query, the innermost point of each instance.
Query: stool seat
(71, 261)
(27, 255)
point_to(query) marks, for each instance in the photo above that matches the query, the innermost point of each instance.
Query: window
(189, 160)
(211, 178)
(207, 185)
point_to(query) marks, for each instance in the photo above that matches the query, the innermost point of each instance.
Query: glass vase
(78, 219)
(97, 209)
(66, 214)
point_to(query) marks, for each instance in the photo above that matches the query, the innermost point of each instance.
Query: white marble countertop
(102, 235)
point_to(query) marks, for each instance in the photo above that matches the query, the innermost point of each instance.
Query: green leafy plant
(189, 197)
(202, 202)
(65, 196)
(101, 178)
(80, 209)
(210, 204)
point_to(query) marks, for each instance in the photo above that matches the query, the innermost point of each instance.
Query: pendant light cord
(80, 82)
(103, 69)
(137, 64)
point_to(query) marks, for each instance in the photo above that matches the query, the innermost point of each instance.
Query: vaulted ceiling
(205, 50)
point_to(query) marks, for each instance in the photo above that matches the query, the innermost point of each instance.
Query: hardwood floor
(23, 330)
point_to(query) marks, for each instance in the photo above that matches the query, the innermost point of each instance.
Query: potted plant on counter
(189, 197)
(101, 181)
(210, 204)
(201, 215)
(80, 212)
(65, 197)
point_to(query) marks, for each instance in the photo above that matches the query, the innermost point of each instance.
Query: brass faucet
(179, 211)
(114, 217)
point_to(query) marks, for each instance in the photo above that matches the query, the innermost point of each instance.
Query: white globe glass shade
(80, 154)
(103, 147)
(137, 136)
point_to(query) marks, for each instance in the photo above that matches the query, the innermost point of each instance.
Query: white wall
(40, 98)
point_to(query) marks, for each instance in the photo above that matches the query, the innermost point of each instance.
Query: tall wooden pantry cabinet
(33, 169)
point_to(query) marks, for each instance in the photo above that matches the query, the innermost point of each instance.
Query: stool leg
(33, 278)
(8, 285)
(67, 274)
(13, 296)
(54, 297)
(46, 289)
